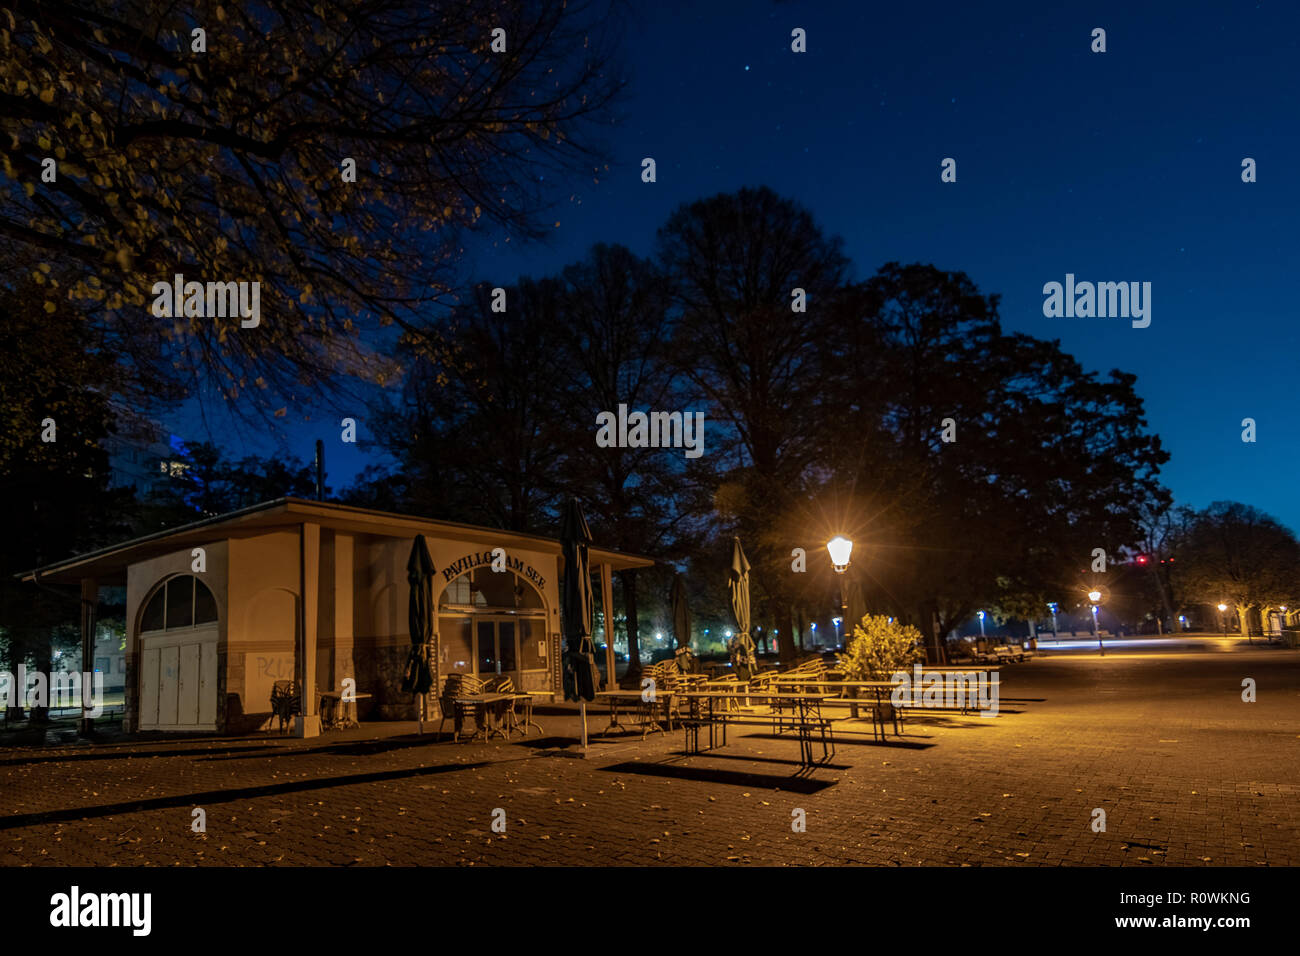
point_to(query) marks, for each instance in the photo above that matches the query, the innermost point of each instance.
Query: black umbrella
(581, 677)
(681, 623)
(419, 574)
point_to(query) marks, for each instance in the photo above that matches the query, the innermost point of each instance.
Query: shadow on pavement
(355, 748)
(733, 778)
(129, 754)
(209, 797)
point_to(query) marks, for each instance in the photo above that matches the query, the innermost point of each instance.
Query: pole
(583, 707)
(1096, 632)
(320, 470)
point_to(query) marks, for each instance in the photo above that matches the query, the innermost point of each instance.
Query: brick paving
(1186, 772)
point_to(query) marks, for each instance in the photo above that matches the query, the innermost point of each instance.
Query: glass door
(485, 642)
(496, 649)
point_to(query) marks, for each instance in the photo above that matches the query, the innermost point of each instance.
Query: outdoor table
(645, 708)
(345, 715)
(486, 716)
(878, 687)
(809, 708)
(526, 698)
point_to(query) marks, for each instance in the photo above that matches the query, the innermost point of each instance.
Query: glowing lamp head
(1094, 596)
(981, 613)
(840, 548)
(1223, 607)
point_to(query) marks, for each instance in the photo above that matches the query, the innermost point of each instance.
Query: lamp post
(1223, 620)
(1052, 605)
(1095, 598)
(840, 548)
(981, 616)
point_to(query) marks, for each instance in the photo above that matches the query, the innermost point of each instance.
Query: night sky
(1122, 166)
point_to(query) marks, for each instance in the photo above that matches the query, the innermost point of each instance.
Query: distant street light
(1095, 598)
(1223, 620)
(981, 613)
(1052, 605)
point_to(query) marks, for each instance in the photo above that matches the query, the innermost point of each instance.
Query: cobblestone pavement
(1186, 772)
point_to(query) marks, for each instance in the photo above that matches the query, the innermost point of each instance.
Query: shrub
(880, 647)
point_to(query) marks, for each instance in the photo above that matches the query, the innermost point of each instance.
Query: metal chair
(286, 701)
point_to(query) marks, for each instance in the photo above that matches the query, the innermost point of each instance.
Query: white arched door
(178, 657)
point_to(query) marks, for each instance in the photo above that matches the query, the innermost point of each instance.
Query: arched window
(485, 588)
(182, 601)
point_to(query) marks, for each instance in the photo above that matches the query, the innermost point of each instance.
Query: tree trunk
(1243, 620)
(628, 579)
(781, 613)
(1164, 599)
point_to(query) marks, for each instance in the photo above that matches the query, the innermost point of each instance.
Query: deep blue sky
(1122, 166)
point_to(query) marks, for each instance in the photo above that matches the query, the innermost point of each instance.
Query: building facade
(317, 594)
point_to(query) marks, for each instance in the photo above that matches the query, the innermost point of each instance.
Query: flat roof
(109, 564)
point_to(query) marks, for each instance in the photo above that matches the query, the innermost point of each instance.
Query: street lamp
(1095, 598)
(1053, 607)
(981, 614)
(1223, 620)
(840, 548)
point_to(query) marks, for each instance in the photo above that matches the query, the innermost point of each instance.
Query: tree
(614, 334)
(1164, 531)
(225, 158)
(479, 430)
(205, 483)
(879, 647)
(979, 468)
(1236, 553)
(53, 471)
(738, 263)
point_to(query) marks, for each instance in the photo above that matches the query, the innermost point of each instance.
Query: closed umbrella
(418, 678)
(681, 623)
(581, 678)
(738, 585)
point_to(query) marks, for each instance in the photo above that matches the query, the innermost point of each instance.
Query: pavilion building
(316, 593)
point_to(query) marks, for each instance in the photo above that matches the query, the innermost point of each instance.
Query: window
(184, 601)
(455, 637)
(484, 587)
